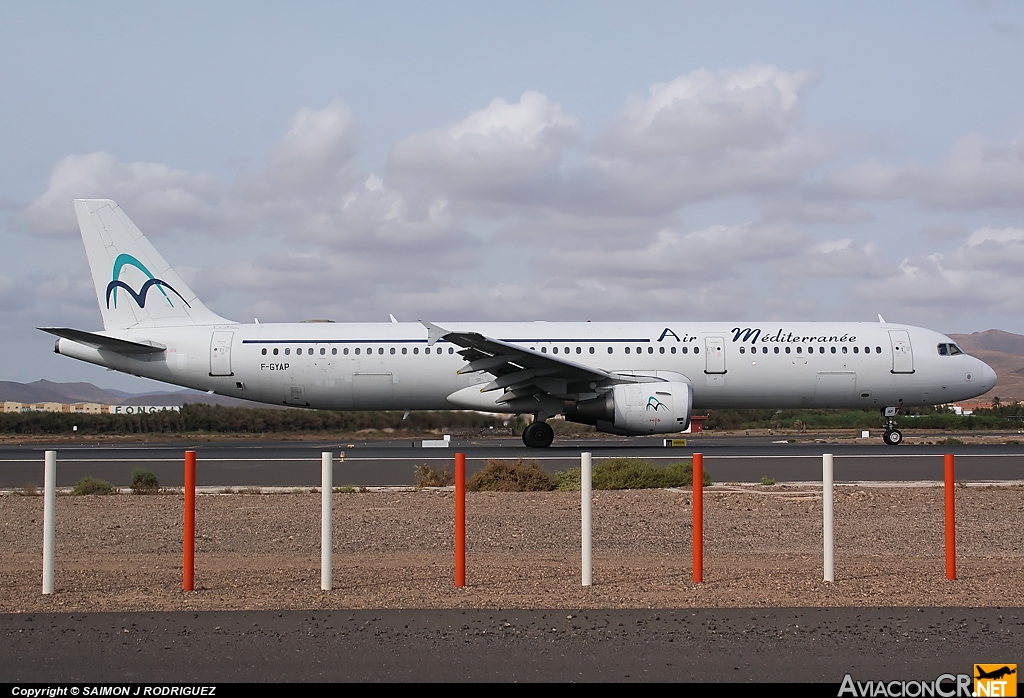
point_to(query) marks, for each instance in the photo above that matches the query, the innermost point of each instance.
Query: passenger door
(902, 352)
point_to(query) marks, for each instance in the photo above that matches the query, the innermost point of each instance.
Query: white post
(326, 525)
(828, 517)
(49, 504)
(586, 503)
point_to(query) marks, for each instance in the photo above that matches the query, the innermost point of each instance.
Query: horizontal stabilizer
(120, 346)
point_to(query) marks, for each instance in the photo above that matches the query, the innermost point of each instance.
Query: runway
(692, 645)
(390, 463)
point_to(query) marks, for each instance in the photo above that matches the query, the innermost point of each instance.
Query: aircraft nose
(988, 376)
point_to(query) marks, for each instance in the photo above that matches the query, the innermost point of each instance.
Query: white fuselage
(390, 365)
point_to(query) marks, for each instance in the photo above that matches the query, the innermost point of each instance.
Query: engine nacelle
(638, 408)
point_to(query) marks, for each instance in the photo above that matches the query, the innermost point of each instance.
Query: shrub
(144, 482)
(432, 477)
(632, 474)
(767, 480)
(511, 476)
(92, 485)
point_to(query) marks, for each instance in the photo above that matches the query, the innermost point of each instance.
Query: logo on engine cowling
(655, 404)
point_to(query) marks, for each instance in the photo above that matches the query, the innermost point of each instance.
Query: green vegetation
(631, 474)
(144, 482)
(767, 480)
(91, 485)
(432, 477)
(511, 476)
(215, 419)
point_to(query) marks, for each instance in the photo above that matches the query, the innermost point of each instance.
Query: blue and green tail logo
(140, 296)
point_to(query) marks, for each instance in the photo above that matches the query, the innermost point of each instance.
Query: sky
(460, 161)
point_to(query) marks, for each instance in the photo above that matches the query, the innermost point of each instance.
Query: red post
(188, 569)
(460, 519)
(698, 518)
(950, 520)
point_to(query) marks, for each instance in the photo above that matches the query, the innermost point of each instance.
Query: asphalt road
(700, 645)
(381, 463)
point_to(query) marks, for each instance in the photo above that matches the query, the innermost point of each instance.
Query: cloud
(976, 174)
(838, 258)
(982, 273)
(505, 152)
(703, 112)
(157, 194)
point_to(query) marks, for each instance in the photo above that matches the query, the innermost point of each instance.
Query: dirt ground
(763, 547)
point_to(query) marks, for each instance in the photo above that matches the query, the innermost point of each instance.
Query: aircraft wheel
(538, 435)
(893, 437)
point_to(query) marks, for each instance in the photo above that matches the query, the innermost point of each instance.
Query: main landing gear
(538, 435)
(892, 435)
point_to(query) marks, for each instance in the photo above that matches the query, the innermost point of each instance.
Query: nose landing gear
(892, 435)
(538, 435)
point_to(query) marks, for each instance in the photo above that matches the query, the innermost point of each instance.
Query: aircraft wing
(120, 346)
(522, 372)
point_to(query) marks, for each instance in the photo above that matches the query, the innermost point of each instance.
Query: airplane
(626, 378)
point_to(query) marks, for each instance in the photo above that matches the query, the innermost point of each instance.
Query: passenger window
(673, 350)
(845, 350)
(799, 350)
(878, 350)
(684, 349)
(415, 350)
(323, 351)
(821, 350)
(334, 351)
(764, 350)
(451, 350)
(357, 351)
(405, 350)
(856, 350)
(788, 349)
(591, 350)
(543, 350)
(610, 350)
(554, 350)
(696, 350)
(776, 350)
(275, 351)
(627, 350)
(287, 351)
(743, 350)
(639, 350)
(833, 350)
(345, 351)
(264, 352)
(650, 350)
(661, 350)
(579, 350)
(392, 350)
(567, 350)
(380, 350)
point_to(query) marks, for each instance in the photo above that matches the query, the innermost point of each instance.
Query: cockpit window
(949, 350)
(943, 349)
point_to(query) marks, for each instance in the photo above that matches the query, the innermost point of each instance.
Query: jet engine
(633, 409)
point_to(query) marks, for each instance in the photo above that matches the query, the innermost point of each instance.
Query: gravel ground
(394, 550)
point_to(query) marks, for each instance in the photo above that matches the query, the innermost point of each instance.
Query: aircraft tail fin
(135, 286)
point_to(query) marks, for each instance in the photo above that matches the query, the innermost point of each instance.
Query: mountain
(1004, 352)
